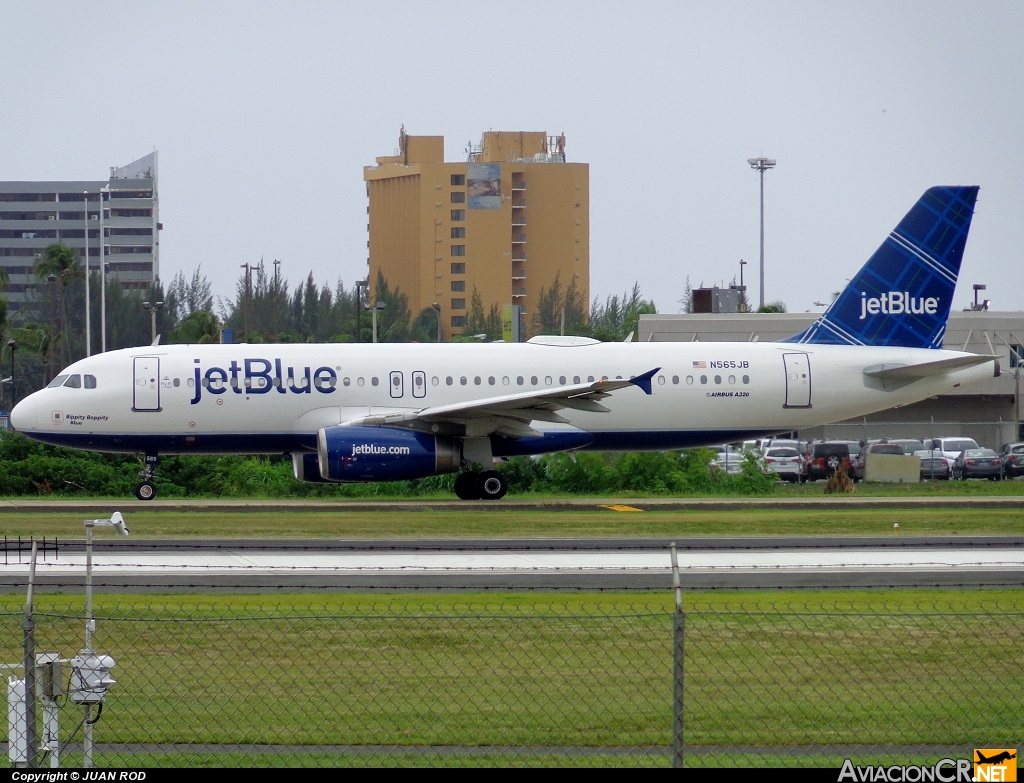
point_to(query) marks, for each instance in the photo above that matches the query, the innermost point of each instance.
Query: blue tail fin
(902, 295)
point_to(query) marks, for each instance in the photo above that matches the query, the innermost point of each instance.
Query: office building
(507, 221)
(35, 215)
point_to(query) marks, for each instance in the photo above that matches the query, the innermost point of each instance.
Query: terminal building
(508, 221)
(989, 412)
(116, 218)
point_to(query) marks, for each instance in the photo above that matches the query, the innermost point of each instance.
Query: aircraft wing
(508, 414)
(910, 372)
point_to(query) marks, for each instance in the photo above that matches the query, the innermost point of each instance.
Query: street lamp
(13, 345)
(154, 308)
(762, 165)
(88, 303)
(437, 309)
(103, 276)
(248, 287)
(360, 285)
(743, 288)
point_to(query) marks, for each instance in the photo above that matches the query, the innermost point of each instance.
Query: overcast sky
(264, 114)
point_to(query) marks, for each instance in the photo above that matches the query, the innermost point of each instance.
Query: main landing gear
(489, 485)
(146, 489)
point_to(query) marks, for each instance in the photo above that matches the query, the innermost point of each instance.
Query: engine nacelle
(306, 467)
(384, 454)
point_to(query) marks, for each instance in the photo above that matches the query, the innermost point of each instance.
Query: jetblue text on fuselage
(897, 303)
(261, 376)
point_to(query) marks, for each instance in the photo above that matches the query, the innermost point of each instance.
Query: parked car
(784, 462)
(950, 446)
(823, 458)
(858, 461)
(978, 463)
(1012, 460)
(934, 466)
(727, 458)
(910, 445)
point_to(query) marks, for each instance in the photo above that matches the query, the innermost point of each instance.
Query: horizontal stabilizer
(910, 372)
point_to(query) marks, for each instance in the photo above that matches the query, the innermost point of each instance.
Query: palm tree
(59, 262)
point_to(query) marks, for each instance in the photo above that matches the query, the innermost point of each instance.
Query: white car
(784, 462)
(728, 459)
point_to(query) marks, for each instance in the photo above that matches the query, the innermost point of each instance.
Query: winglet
(644, 381)
(902, 295)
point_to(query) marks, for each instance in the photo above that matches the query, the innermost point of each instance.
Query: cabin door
(798, 380)
(146, 395)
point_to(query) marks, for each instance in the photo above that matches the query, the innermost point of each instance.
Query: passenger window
(176, 382)
(533, 380)
(375, 381)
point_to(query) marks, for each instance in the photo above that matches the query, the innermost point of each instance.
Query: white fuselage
(255, 398)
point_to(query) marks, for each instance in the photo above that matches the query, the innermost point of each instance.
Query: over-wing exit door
(798, 380)
(146, 395)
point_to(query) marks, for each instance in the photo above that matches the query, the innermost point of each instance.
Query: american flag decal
(700, 365)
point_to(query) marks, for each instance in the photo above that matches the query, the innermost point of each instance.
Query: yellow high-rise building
(507, 221)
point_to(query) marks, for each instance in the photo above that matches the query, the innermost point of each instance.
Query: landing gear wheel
(145, 491)
(492, 485)
(467, 486)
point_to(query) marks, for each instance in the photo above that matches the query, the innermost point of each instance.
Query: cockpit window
(90, 381)
(58, 381)
(74, 382)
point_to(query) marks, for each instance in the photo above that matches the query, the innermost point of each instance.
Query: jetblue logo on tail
(897, 303)
(901, 296)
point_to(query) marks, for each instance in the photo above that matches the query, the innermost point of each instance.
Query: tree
(59, 264)
(200, 326)
(772, 307)
(479, 323)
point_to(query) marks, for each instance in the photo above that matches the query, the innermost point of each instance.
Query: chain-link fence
(530, 680)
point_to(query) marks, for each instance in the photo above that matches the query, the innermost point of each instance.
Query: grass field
(601, 522)
(772, 678)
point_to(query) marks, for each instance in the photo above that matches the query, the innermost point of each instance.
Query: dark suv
(1012, 456)
(823, 458)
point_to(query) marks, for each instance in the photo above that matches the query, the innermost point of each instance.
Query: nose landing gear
(146, 489)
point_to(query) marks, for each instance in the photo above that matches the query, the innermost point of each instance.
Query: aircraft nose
(23, 415)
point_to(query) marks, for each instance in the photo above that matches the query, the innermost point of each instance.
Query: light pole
(88, 303)
(437, 309)
(153, 308)
(762, 165)
(245, 308)
(743, 288)
(360, 285)
(103, 277)
(13, 345)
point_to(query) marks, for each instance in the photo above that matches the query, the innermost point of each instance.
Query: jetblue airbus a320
(377, 412)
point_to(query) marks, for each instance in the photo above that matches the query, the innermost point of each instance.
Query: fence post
(678, 637)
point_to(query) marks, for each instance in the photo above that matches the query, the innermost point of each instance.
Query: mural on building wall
(483, 184)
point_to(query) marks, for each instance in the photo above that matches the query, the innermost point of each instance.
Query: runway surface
(576, 564)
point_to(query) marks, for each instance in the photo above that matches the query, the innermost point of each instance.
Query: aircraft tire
(492, 485)
(145, 491)
(467, 486)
